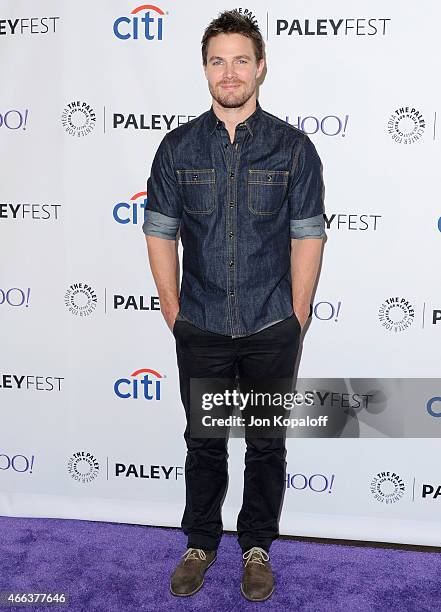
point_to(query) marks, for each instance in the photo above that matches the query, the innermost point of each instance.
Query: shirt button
(231, 175)
(231, 292)
(231, 204)
(231, 264)
(269, 177)
(231, 235)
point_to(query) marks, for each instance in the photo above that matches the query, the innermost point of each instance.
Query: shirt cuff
(313, 227)
(157, 224)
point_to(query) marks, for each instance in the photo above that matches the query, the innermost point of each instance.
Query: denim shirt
(237, 206)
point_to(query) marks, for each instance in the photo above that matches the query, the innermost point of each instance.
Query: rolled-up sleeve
(163, 212)
(306, 193)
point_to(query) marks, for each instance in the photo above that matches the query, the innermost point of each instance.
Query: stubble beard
(231, 99)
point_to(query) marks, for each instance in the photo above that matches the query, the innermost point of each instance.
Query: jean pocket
(266, 190)
(198, 190)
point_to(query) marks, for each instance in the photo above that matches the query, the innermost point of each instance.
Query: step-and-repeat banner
(92, 421)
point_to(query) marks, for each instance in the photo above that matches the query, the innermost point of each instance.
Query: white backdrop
(78, 306)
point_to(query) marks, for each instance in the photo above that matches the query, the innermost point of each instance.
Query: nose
(229, 70)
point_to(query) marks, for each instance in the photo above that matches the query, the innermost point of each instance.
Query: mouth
(230, 86)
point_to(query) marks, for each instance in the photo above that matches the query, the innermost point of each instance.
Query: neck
(232, 116)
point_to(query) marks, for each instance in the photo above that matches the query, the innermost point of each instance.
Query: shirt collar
(250, 122)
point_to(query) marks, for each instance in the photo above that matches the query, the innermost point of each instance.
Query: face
(232, 70)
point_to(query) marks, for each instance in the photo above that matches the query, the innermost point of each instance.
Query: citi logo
(148, 26)
(142, 384)
(130, 212)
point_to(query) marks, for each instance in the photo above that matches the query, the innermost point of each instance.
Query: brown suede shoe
(188, 576)
(257, 578)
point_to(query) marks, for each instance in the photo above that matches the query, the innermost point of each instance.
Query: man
(245, 190)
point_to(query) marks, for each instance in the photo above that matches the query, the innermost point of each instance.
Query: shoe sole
(257, 599)
(198, 588)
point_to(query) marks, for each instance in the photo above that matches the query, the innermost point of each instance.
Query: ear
(260, 67)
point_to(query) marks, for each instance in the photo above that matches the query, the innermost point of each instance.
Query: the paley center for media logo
(78, 118)
(83, 466)
(387, 487)
(406, 125)
(396, 314)
(80, 299)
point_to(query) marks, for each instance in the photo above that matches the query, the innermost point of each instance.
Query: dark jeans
(269, 353)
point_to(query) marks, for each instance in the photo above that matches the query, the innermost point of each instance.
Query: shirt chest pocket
(198, 190)
(266, 190)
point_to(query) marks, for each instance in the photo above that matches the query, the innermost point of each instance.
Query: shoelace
(255, 555)
(191, 553)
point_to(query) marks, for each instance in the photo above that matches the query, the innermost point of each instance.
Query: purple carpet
(110, 567)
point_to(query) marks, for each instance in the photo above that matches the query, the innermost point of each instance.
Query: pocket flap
(196, 176)
(268, 177)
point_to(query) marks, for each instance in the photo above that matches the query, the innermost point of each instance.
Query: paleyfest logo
(80, 299)
(387, 487)
(148, 26)
(83, 466)
(406, 125)
(396, 314)
(78, 118)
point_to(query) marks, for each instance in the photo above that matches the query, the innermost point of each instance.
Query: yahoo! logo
(14, 119)
(127, 212)
(144, 387)
(15, 296)
(129, 27)
(431, 409)
(325, 311)
(319, 483)
(330, 125)
(17, 463)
